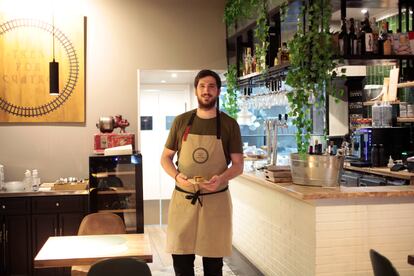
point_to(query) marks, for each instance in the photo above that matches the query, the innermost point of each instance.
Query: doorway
(162, 95)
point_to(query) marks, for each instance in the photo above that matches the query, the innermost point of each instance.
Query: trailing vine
(310, 74)
(230, 98)
(261, 32)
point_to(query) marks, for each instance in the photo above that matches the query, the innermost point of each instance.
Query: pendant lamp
(53, 68)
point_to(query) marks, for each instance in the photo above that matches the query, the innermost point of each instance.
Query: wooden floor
(162, 262)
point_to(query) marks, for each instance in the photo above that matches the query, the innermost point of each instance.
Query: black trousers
(184, 265)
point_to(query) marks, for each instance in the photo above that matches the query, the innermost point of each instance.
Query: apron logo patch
(200, 155)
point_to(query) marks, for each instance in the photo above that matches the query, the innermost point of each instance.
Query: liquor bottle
(388, 42)
(353, 40)
(382, 38)
(369, 39)
(375, 34)
(343, 39)
(358, 37)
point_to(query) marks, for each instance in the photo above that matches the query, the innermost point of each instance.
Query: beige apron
(203, 228)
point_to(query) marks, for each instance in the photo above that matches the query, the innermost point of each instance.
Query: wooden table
(65, 251)
(410, 259)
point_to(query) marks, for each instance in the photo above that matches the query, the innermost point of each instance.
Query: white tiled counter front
(285, 229)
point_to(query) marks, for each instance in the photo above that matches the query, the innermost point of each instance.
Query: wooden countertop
(384, 171)
(43, 193)
(341, 192)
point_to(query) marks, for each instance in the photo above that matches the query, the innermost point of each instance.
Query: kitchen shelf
(405, 84)
(368, 103)
(106, 174)
(255, 79)
(373, 56)
(405, 119)
(117, 211)
(117, 191)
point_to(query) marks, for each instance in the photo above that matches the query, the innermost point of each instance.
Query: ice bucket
(316, 170)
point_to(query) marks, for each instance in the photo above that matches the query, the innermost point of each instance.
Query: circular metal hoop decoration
(69, 86)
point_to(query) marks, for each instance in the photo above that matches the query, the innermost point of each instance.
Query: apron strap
(196, 196)
(189, 124)
(218, 124)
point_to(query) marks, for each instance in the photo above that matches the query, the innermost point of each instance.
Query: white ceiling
(182, 76)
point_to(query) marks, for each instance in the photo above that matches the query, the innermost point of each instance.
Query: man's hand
(182, 179)
(213, 184)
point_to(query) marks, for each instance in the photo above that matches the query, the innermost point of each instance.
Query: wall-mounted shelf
(405, 119)
(368, 103)
(256, 79)
(405, 84)
(118, 173)
(369, 57)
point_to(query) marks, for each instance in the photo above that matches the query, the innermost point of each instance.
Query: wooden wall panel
(26, 48)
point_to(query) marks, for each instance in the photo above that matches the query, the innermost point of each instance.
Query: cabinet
(116, 187)
(15, 255)
(55, 216)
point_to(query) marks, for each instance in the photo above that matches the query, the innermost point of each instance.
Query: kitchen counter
(43, 193)
(288, 229)
(383, 171)
(311, 193)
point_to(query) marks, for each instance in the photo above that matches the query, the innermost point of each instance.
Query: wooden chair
(120, 266)
(102, 224)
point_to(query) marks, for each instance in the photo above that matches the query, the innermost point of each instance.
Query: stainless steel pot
(106, 124)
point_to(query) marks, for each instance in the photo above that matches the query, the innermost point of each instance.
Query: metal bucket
(316, 170)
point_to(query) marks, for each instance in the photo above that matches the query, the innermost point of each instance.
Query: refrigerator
(115, 184)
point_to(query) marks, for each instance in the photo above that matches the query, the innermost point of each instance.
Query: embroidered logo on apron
(200, 155)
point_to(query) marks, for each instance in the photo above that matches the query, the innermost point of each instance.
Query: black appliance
(395, 140)
(115, 184)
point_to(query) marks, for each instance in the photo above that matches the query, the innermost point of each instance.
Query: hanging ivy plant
(230, 98)
(310, 74)
(261, 32)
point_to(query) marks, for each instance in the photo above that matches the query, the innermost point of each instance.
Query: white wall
(122, 36)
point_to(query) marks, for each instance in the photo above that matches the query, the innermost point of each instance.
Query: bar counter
(310, 193)
(288, 229)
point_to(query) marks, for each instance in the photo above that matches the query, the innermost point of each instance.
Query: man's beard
(206, 106)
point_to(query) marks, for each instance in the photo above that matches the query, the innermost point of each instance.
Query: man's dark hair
(205, 73)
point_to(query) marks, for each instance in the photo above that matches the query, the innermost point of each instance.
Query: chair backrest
(120, 266)
(101, 223)
(381, 265)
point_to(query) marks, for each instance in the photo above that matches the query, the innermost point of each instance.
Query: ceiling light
(364, 11)
(411, 12)
(163, 81)
(173, 75)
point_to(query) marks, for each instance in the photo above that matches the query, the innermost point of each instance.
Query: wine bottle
(375, 35)
(382, 38)
(343, 39)
(353, 40)
(369, 38)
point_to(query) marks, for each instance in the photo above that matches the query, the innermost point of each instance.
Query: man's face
(207, 93)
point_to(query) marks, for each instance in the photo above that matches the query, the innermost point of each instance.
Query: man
(200, 213)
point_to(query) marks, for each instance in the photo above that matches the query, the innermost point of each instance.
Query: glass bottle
(369, 38)
(375, 34)
(382, 38)
(353, 40)
(388, 41)
(343, 39)
(358, 37)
